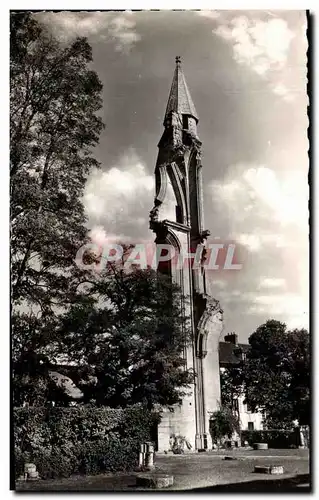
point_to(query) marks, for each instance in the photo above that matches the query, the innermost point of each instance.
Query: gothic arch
(179, 191)
(161, 185)
(172, 239)
(195, 188)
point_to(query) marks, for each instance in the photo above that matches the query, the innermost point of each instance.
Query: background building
(232, 354)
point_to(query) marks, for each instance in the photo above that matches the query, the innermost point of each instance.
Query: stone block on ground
(33, 475)
(29, 468)
(260, 446)
(154, 480)
(269, 469)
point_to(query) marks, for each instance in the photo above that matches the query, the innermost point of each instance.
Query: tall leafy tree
(277, 374)
(131, 347)
(55, 99)
(232, 387)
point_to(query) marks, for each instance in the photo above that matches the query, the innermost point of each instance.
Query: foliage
(277, 374)
(108, 455)
(274, 438)
(62, 441)
(50, 464)
(54, 102)
(133, 346)
(223, 423)
(231, 386)
(123, 328)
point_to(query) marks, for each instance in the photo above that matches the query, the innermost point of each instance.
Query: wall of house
(247, 417)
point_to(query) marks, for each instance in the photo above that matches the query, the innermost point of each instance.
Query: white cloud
(258, 191)
(210, 14)
(261, 45)
(281, 90)
(118, 200)
(99, 236)
(120, 28)
(268, 215)
(261, 41)
(219, 283)
(293, 307)
(252, 241)
(272, 282)
(167, 208)
(288, 199)
(255, 242)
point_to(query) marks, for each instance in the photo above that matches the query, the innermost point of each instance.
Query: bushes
(274, 438)
(108, 455)
(223, 423)
(64, 441)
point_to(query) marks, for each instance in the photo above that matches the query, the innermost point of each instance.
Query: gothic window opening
(250, 409)
(201, 345)
(185, 122)
(179, 214)
(165, 267)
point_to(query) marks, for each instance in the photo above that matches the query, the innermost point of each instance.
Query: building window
(235, 405)
(249, 408)
(250, 426)
(185, 122)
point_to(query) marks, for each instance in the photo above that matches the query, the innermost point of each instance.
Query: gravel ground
(201, 472)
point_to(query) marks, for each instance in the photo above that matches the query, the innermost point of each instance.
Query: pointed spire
(180, 99)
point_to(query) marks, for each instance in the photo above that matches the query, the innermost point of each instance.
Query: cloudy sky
(246, 71)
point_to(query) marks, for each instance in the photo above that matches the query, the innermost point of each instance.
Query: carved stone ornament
(204, 235)
(154, 214)
(211, 317)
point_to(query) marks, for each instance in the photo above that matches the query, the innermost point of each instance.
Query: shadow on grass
(78, 484)
(299, 483)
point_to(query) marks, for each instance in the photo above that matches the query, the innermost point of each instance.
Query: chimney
(232, 338)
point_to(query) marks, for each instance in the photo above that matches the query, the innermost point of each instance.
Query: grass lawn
(201, 472)
(207, 470)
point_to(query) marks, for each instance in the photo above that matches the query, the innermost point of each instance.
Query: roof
(180, 99)
(230, 354)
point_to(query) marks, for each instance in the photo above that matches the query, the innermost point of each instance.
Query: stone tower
(179, 168)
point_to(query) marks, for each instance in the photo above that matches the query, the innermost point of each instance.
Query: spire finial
(180, 100)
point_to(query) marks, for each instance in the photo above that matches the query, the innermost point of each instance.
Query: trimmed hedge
(274, 438)
(64, 441)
